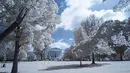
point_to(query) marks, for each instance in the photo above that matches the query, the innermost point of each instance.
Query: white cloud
(61, 40)
(79, 3)
(60, 44)
(78, 10)
(71, 18)
(110, 15)
(71, 39)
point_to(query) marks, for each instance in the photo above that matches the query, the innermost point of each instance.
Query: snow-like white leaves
(28, 47)
(103, 47)
(91, 25)
(87, 29)
(38, 24)
(127, 53)
(84, 34)
(78, 35)
(119, 39)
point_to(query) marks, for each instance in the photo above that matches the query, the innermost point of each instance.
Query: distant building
(53, 54)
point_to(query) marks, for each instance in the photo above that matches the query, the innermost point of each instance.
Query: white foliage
(119, 39)
(91, 25)
(127, 53)
(22, 55)
(78, 35)
(28, 47)
(84, 34)
(37, 26)
(31, 56)
(102, 47)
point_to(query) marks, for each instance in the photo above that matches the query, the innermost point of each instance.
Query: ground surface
(69, 67)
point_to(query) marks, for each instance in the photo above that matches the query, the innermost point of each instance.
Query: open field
(69, 67)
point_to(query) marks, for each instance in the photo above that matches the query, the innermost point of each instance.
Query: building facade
(53, 54)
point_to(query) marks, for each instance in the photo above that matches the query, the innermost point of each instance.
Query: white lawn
(69, 67)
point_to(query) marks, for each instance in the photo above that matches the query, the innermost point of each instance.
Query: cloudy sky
(72, 12)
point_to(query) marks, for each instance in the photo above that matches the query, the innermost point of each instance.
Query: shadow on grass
(7, 72)
(73, 66)
(3, 72)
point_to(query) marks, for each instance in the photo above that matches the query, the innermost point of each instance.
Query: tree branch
(19, 19)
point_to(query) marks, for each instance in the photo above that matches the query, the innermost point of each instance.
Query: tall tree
(41, 16)
(120, 50)
(119, 44)
(104, 32)
(68, 53)
(38, 24)
(88, 28)
(127, 54)
(78, 35)
(9, 30)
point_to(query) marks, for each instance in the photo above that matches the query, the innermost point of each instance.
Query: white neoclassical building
(53, 54)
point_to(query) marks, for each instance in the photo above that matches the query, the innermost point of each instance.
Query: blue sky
(72, 13)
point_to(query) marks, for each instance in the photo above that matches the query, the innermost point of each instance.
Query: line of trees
(107, 37)
(34, 30)
(96, 35)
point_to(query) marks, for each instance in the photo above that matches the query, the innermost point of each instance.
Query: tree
(10, 29)
(68, 53)
(15, 24)
(127, 54)
(116, 32)
(88, 28)
(91, 25)
(41, 16)
(120, 50)
(119, 44)
(38, 24)
(78, 35)
(103, 47)
(99, 41)
(123, 5)
(93, 58)
(17, 46)
(43, 24)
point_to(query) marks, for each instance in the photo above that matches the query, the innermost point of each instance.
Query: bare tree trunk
(93, 58)
(121, 57)
(19, 19)
(70, 58)
(41, 57)
(15, 61)
(81, 62)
